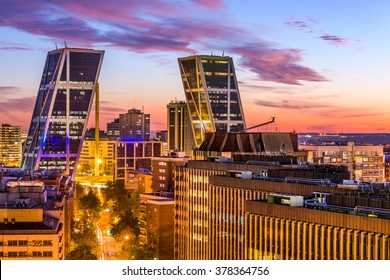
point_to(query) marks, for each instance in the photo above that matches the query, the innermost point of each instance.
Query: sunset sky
(317, 66)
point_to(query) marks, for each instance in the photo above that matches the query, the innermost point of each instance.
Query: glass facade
(62, 109)
(212, 95)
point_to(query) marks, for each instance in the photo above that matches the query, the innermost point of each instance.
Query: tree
(81, 252)
(90, 206)
(133, 249)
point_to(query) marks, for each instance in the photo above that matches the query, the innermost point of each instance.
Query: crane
(271, 121)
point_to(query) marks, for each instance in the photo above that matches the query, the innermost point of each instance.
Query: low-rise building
(366, 163)
(32, 222)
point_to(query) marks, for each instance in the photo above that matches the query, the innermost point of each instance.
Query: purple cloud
(276, 65)
(335, 40)
(308, 27)
(155, 25)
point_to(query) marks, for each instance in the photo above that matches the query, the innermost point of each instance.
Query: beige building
(365, 163)
(86, 162)
(32, 222)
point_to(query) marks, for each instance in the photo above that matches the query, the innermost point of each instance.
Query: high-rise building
(212, 95)
(134, 125)
(113, 129)
(180, 136)
(61, 111)
(10, 145)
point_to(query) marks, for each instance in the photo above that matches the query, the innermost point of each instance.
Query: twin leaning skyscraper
(62, 109)
(67, 90)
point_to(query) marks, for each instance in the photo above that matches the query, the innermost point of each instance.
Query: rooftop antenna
(65, 44)
(223, 52)
(56, 46)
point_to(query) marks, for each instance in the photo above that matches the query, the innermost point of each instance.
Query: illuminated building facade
(10, 145)
(365, 162)
(61, 111)
(212, 95)
(221, 212)
(86, 163)
(33, 222)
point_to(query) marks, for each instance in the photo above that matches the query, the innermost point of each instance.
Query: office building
(134, 125)
(10, 145)
(134, 155)
(113, 129)
(180, 136)
(238, 211)
(61, 110)
(33, 222)
(212, 95)
(366, 163)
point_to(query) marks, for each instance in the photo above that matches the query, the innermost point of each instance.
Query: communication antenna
(56, 46)
(65, 44)
(223, 52)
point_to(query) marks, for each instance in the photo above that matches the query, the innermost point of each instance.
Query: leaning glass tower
(212, 95)
(62, 109)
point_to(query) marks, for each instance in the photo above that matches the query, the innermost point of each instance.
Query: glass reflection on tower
(62, 109)
(212, 95)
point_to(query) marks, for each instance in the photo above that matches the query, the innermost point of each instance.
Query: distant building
(33, 222)
(211, 91)
(366, 163)
(134, 125)
(180, 136)
(162, 135)
(113, 129)
(134, 155)
(10, 145)
(140, 180)
(156, 217)
(62, 109)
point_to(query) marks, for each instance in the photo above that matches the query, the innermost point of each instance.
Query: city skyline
(310, 64)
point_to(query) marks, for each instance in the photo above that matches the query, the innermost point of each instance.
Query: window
(162, 171)
(48, 254)
(162, 163)
(22, 254)
(37, 254)
(12, 254)
(12, 243)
